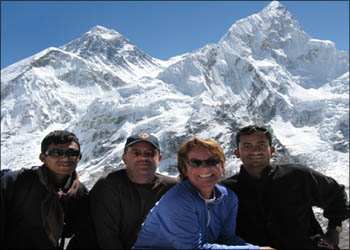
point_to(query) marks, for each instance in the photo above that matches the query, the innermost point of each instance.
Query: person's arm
(8, 185)
(330, 196)
(3, 210)
(105, 213)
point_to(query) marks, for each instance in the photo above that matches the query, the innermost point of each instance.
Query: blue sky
(160, 28)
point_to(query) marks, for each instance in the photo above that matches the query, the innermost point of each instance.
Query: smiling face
(61, 166)
(255, 153)
(203, 177)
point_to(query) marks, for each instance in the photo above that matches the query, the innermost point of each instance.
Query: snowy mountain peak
(274, 35)
(278, 13)
(265, 70)
(104, 36)
(104, 33)
(275, 6)
(109, 49)
(274, 24)
(97, 40)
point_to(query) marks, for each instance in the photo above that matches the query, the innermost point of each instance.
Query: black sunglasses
(253, 129)
(196, 163)
(60, 152)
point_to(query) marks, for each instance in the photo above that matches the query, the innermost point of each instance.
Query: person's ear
(272, 150)
(237, 154)
(223, 169)
(160, 156)
(80, 156)
(124, 158)
(42, 157)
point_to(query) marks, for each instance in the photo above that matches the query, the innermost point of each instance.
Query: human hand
(333, 236)
(266, 248)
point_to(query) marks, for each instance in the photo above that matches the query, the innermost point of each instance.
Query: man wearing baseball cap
(121, 200)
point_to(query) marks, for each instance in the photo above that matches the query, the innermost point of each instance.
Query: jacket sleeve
(105, 207)
(3, 211)
(7, 186)
(181, 224)
(330, 196)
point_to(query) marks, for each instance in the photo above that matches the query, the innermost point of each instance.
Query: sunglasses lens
(212, 162)
(55, 152)
(195, 163)
(60, 152)
(264, 130)
(72, 152)
(250, 130)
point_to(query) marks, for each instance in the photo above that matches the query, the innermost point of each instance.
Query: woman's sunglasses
(196, 163)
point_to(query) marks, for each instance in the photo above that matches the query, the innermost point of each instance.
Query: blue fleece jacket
(182, 219)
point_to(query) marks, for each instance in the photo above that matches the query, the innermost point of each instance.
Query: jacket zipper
(208, 209)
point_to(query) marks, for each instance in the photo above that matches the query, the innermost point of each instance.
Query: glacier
(264, 70)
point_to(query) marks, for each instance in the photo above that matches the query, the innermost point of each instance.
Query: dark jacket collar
(268, 171)
(47, 178)
(51, 209)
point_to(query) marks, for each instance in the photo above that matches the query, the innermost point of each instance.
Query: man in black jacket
(121, 200)
(42, 206)
(275, 202)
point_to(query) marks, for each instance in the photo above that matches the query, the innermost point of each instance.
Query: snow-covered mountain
(264, 70)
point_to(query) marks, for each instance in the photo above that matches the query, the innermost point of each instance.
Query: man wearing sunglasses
(275, 201)
(42, 206)
(121, 200)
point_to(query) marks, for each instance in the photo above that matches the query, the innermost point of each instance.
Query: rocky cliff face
(264, 70)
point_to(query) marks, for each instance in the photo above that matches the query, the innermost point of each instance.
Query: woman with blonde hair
(197, 213)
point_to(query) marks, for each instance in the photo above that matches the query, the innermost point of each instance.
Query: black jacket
(276, 210)
(33, 214)
(119, 207)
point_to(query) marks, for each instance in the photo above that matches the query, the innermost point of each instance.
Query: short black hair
(251, 129)
(58, 137)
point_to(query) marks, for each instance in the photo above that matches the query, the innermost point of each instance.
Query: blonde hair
(211, 145)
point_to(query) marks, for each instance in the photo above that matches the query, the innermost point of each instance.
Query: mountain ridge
(264, 70)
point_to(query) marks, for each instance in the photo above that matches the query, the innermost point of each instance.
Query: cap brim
(141, 140)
